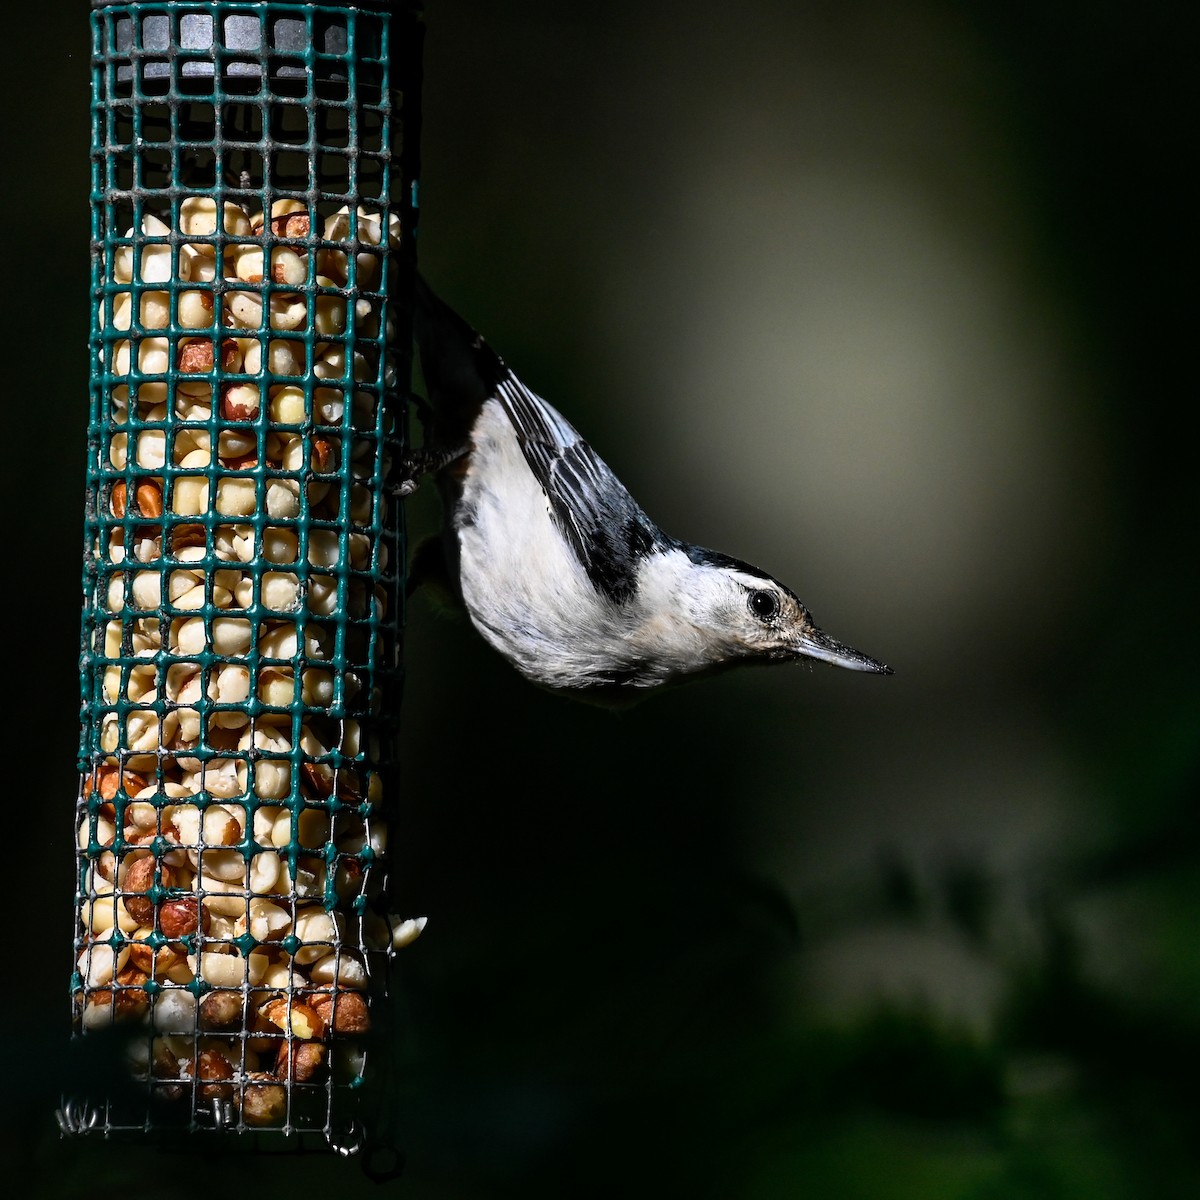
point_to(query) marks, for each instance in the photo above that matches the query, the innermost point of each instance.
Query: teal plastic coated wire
(252, 220)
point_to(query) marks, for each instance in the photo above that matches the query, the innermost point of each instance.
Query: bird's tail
(460, 369)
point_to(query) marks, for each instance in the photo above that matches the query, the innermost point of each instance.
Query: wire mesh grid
(252, 201)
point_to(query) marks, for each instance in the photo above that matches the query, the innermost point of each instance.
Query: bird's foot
(415, 465)
(428, 572)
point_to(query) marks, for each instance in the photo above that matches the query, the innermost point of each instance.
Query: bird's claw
(416, 465)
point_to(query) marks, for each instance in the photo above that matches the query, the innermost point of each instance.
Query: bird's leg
(427, 571)
(425, 459)
(423, 408)
(421, 462)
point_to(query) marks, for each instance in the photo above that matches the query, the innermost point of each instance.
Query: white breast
(524, 589)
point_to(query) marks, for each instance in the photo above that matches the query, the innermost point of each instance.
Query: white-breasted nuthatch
(557, 565)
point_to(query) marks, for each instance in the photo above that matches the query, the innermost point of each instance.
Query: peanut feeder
(252, 210)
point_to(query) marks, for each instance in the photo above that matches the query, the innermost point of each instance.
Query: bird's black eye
(764, 605)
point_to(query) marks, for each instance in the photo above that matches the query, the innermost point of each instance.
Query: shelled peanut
(229, 834)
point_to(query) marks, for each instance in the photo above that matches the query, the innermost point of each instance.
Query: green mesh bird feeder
(252, 218)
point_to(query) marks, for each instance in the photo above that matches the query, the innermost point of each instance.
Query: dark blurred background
(889, 299)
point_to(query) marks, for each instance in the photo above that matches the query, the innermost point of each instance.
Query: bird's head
(745, 615)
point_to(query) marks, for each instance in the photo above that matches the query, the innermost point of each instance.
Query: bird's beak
(816, 643)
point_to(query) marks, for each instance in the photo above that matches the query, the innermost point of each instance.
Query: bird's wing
(603, 524)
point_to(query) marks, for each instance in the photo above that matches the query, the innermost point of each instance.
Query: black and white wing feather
(601, 522)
